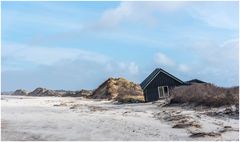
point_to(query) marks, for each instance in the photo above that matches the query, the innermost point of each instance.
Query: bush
(205, 94)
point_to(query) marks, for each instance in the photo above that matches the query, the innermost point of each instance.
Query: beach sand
(76, 118)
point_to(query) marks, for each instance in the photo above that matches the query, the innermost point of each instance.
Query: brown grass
(131, 99)
(119, 89)
(205, 94)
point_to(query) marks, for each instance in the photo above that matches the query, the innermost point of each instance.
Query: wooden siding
(151, 91)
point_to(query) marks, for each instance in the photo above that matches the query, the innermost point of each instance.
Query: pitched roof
(149, 79)
(194, 81)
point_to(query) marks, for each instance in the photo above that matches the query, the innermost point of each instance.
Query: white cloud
(140, 11)
(216, 62)
(48, 55)
(113, 17)
(230, 49)
(216, 14)
(130, 67)
(184, 68)
(19, 58)
(74, 68)
(162, 59)
(217, 53)
(45, 18)
(133, 68)
(73, 75)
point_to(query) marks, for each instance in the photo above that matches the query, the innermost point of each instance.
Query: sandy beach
(76, 118)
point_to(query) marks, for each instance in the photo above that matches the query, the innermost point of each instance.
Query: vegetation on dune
(205, 94)
(20, 92)
(81, 93)
(119, 89)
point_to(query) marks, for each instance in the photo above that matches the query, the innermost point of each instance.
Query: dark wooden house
(158, 84)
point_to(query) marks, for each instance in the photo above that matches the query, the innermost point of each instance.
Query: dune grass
(205, 94)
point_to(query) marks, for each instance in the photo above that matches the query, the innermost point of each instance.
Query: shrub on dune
(205, 94)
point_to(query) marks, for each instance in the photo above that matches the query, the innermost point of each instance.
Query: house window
(163, 91)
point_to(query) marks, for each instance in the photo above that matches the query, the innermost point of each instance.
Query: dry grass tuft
(119, 89)
(205, 94)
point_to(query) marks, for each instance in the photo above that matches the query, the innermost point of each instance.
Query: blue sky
(75, 45)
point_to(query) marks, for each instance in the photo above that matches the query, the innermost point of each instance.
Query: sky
(78, 45)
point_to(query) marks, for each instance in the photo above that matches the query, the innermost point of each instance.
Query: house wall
(151, 91)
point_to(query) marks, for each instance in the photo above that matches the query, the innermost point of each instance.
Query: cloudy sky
(75, 45)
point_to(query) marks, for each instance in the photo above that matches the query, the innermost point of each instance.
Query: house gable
(161, 76)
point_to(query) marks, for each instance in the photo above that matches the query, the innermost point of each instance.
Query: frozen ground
(68, 118)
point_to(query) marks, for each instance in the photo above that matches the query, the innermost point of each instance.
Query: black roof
(145, 83)
(195, 81)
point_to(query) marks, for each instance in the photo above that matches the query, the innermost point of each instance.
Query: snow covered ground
(69, 118)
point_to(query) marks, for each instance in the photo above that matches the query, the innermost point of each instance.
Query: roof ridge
(172, 76)
(149, 79)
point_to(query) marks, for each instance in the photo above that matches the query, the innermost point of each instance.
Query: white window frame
(164, 94)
